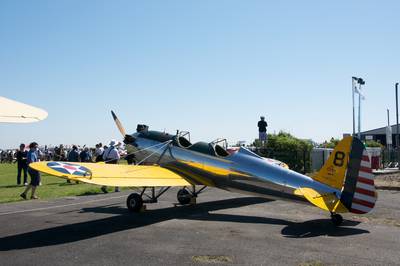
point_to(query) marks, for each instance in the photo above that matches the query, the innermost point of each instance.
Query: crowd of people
(72, 153)
(7, 156)
(23, 157)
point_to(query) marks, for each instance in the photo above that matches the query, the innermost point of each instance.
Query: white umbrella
(16, 112)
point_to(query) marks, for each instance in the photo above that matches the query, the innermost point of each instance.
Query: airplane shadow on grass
(124, 221)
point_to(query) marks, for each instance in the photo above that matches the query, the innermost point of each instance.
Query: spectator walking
(262, 131)
(22, 164)
(35, 175)
(111, 156)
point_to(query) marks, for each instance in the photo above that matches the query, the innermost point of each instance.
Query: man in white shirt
(111, 156)
(98, 153)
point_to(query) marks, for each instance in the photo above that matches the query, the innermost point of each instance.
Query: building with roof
(379, 135)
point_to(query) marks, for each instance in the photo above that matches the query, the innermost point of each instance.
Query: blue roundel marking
(69, 168)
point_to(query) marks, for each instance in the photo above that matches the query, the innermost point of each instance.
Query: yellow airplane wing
(113, 174)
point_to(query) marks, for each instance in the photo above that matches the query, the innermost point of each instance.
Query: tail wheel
(134, 202)
(184, 196)
(336, 219)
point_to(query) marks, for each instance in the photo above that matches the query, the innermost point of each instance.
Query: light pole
(388, 133)
(353, 83)
(397, 125)
(360, 82)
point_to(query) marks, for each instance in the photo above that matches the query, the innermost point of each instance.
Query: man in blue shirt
(73, 156)
(35, 175)
(85, 156)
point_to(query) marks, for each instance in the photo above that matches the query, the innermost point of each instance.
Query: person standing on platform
(22, 164)
(262, 131)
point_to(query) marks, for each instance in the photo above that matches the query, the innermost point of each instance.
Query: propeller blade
(118, 123)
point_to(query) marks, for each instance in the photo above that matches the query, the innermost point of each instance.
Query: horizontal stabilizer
(328, 202)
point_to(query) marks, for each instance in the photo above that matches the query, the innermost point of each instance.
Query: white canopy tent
(16, 112)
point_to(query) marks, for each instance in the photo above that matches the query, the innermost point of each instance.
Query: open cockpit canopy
(182, 139)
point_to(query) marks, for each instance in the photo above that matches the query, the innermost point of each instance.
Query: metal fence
(390, 158)
(297, 160)
(306, 161)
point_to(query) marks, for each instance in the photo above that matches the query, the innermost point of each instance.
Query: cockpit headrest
(142, 128)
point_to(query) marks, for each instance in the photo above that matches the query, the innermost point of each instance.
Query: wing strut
(166, 145)
(153, 198)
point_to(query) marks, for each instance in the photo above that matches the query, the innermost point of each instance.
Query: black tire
(337, 219)
(134, 202)
(184, 196)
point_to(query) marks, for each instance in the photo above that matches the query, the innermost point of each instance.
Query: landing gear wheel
(134, 202)
(184, 196)
(336, 219)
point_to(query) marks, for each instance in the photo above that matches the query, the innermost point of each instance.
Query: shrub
(331, 144)
(372, 143)
(288, 149)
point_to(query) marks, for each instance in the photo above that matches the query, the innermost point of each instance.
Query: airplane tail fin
(349, 169)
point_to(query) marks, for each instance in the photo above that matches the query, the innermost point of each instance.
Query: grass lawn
(52, 187)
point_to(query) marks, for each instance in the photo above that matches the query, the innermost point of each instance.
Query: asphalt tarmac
(222, 229)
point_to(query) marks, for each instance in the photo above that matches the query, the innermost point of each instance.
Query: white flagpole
(359, 113)
(354, 112)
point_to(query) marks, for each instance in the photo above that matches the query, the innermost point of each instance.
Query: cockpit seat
(202, 147)
(220, 151)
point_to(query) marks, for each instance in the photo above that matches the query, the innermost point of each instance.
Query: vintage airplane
(344, 184)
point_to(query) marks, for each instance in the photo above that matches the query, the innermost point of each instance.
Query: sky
(208, 67)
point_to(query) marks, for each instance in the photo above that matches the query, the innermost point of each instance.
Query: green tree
(331, 144)
(288, 149)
